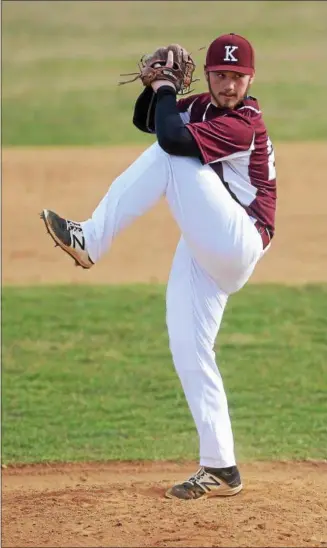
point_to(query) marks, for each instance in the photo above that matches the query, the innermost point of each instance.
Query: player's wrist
(157, 84)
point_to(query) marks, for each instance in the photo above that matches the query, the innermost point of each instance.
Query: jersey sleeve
(222, 137)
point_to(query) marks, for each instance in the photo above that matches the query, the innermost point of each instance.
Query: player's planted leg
(195, 306)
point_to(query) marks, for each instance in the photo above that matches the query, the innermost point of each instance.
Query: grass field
(88, 375)
(61, 63)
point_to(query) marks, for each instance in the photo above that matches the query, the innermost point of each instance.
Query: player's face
(228, 88)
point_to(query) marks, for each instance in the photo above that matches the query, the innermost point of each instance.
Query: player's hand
(158, 83)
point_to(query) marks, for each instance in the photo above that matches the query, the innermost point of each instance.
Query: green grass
(87, 374)
(61, 62)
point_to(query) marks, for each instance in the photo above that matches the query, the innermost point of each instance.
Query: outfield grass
(87, 374)
(61, 63)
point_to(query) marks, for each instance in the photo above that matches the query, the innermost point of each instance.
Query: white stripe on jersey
(237, 154)
(236, 175)
(186, 116)
(251, 108)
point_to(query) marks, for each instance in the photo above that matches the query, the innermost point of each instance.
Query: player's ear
(252, 79)
(206, 75)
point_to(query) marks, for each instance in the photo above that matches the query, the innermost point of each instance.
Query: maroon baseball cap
(230, 52)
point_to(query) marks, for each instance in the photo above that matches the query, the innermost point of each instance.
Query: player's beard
(226, 102)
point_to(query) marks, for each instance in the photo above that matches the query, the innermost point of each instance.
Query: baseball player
(214, 163)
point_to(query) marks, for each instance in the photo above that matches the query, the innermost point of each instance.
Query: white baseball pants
(215, 257)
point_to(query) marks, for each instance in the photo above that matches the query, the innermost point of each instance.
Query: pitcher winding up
(214, 163)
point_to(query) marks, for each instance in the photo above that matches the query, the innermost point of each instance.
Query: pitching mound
(123, 504)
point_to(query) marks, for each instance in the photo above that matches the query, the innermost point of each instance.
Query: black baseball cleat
(69, 236)
(208, 482)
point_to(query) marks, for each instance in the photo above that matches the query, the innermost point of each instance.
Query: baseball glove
(154, 67)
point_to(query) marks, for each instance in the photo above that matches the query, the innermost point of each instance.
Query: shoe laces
(71, 225)
(196, 479)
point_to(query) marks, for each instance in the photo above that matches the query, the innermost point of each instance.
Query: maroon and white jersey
(235, 143)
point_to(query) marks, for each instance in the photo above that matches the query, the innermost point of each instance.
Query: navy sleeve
(172, 134)
(144, 110)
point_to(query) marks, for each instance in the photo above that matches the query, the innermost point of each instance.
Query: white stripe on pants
(216, 256)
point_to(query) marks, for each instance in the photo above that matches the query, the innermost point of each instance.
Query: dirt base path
(72, 182)
(116, 504)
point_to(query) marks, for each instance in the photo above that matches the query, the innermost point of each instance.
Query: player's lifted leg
(213, 224)
(130, 195)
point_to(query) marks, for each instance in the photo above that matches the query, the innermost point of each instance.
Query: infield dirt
(72, 182)
(122, 504)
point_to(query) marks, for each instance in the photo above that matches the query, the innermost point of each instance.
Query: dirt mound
(123, 504)
(72, 182)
